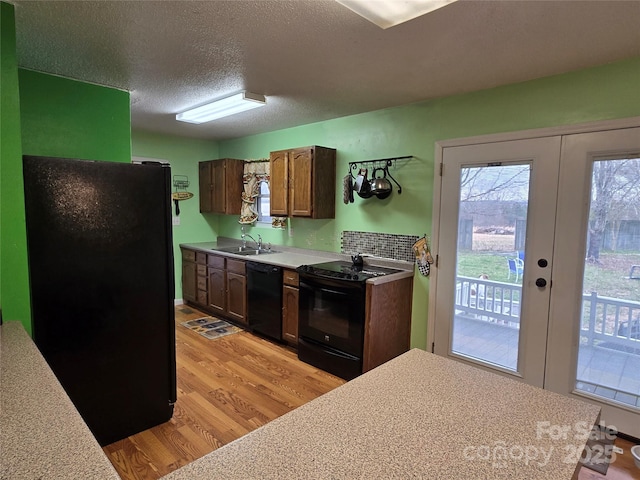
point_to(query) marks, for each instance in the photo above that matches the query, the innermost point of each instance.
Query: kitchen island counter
(417, 416)
(42, 435)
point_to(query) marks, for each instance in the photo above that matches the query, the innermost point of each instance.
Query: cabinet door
(218, 189)
(237, 296)
(279, 183)
(217, 289)
(300, 165)
(204, 186)
(189, 281)
(290, 314)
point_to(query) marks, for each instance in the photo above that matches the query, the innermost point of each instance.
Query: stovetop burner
(345, 271)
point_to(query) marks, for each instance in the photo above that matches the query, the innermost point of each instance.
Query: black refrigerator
(102, 287)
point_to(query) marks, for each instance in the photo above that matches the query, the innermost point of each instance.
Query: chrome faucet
(244, 240)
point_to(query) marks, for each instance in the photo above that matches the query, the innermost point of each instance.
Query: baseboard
(178, 301)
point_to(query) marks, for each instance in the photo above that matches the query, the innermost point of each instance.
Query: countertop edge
(43, 434)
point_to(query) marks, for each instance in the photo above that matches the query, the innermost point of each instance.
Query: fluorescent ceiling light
(387, 13)
(222, 107)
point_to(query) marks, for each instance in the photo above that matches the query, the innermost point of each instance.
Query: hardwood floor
(226, 388)
(622, 468)
(233, 385)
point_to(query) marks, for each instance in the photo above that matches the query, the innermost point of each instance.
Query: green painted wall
(600, 93)
(14, 282)
(67, 118)
(50, 116)
(183, 155)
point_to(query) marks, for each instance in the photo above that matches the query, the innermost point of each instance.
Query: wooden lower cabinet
(217, 290)
(188, 281)
(387, 328)
(290, 296)
(236, 286)
(216, 284)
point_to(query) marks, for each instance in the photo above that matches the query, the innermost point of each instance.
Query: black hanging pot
(380, 186)
(363, 187)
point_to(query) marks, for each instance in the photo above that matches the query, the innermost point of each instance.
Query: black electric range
(345, 271)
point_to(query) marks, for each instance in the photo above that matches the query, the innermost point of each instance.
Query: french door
(538, 277)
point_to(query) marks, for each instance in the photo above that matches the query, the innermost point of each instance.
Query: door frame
(588, 127)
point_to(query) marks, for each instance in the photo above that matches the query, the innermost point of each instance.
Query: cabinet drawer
(201, 270)
(216, 261)
(236, 266)
(201, 297)
(290, 277)
(188, 255)
(201, 257)
(201, 283)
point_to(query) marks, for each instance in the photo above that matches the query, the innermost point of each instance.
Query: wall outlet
(176, 220)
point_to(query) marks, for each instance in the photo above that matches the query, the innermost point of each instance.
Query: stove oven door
(331, 313)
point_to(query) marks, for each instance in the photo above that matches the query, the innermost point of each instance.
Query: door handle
(541, 282)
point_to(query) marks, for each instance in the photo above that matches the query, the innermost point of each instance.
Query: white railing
(488, 300)
(605, 321)
(610, 320)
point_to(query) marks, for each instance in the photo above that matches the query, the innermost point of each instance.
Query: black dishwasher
(264, 302)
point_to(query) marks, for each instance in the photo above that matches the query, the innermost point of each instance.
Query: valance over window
(254, 173)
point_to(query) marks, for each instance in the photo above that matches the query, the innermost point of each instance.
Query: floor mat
(597, 453)
(211, 327)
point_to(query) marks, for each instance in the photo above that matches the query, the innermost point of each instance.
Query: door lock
(541, 282)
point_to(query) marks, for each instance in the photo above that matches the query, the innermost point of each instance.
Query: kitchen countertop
(291, 257)
(42, 435)
(417, 416)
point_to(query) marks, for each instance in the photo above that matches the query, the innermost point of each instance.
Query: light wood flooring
(622, 468)
(232, 385)
(227, 387)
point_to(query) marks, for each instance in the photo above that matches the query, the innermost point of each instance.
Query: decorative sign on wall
(180, 183)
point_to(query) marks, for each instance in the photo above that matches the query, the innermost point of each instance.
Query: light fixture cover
(222, 107)
(388, 13)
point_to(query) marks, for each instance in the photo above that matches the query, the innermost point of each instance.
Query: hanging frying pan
(178, 197)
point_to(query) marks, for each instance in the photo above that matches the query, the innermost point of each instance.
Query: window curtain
(254, 173)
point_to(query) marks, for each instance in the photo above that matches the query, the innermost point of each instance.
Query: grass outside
(609, 278)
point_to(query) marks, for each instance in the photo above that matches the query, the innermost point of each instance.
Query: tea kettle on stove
(357, 260)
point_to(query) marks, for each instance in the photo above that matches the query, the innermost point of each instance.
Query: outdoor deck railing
(488, 300)
(611, 320)
(605, 322)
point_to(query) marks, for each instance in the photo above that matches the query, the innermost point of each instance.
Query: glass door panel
(491, 239)
(594, 339)
(494, 228)
(609, 348)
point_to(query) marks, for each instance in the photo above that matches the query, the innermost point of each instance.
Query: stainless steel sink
(245, 251)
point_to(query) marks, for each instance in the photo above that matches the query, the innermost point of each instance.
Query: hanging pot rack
(383, 163)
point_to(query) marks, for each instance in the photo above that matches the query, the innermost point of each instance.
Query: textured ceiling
(313, 59)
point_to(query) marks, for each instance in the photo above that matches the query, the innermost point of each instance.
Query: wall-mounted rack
(382, 163)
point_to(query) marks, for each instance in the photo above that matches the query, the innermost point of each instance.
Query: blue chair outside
(516, 267)
(521, 255)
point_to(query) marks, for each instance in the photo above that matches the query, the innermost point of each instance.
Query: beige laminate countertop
(417, 416)
(42, 435)
(291, 257)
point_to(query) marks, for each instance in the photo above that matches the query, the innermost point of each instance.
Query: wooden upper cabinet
(204, 186)
(300, 179)
(303, 182)
(279, 182)
(221, 186)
